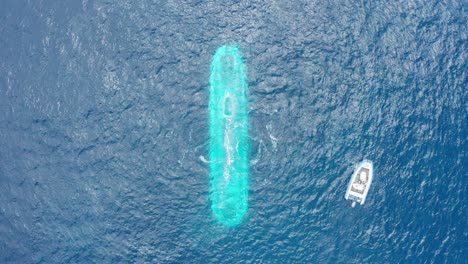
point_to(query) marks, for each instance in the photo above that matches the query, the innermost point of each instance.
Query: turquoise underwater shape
(229, 141)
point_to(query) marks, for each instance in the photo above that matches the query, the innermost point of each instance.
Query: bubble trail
(229, 146)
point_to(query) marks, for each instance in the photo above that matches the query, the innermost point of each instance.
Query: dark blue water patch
(104, 131)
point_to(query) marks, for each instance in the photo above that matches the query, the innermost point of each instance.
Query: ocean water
(104, 131)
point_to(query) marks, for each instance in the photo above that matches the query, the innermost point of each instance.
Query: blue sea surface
(104, 131)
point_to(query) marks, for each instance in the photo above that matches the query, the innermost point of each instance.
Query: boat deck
(361, 180)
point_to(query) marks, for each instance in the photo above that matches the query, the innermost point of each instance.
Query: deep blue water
(104, 131)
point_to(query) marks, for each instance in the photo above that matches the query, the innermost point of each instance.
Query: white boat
(360, 182)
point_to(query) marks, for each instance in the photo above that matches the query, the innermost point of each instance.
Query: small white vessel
(360, 182)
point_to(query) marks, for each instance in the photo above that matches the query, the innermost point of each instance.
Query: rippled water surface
(104, 131)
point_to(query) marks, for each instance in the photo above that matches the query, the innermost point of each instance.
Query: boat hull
(360, 182)
(229, 146)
